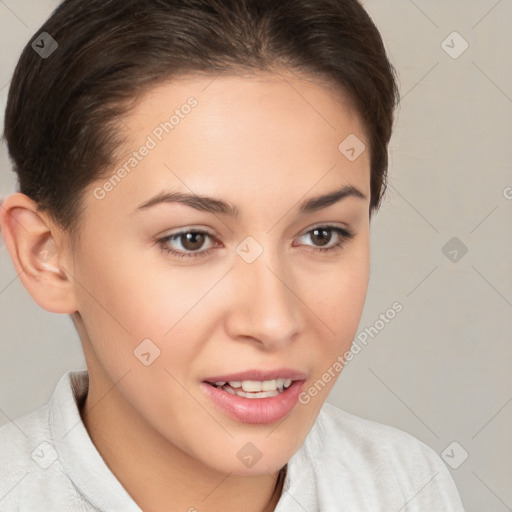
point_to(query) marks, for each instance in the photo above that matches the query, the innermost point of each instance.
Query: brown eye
(323, 235)
(190, 241)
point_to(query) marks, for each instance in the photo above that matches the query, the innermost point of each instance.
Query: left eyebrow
(212, 205)
(321, 202)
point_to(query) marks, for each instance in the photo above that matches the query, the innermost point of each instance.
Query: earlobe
(36, 255)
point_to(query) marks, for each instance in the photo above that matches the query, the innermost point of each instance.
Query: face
(261, 284)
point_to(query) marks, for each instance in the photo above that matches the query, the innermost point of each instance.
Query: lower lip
(255, 410)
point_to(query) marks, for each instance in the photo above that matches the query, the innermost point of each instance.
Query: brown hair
(63, 111)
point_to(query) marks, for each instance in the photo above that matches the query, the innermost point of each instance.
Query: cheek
(141, 296)
(341, 294)
(339, 300)
(339, 303)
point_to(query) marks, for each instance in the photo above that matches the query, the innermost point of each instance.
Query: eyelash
(163, 242)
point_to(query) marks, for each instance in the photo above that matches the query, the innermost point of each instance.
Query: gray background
(440, 369)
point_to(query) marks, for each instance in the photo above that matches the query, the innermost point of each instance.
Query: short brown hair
(60, 122)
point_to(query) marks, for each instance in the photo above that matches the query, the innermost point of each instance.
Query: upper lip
(259, 375)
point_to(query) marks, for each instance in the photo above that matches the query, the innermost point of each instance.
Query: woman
(197, 180)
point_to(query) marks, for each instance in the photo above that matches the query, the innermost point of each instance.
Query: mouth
(256, 396)
(254, 388)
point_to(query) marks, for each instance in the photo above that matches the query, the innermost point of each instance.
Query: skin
(263, 144)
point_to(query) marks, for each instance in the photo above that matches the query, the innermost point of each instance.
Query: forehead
(214, 135)
(238, 101)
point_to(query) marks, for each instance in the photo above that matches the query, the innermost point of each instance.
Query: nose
(265, 306)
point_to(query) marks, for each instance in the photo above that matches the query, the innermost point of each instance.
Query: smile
(255, 388)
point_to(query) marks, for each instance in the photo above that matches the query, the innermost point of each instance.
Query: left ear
(36, 247)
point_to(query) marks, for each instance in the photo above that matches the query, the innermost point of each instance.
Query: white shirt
(48, 463)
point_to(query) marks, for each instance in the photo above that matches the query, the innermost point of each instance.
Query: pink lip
(261, 375)
(254, 410)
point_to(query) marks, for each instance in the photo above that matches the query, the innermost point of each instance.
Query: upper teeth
(256, 385)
